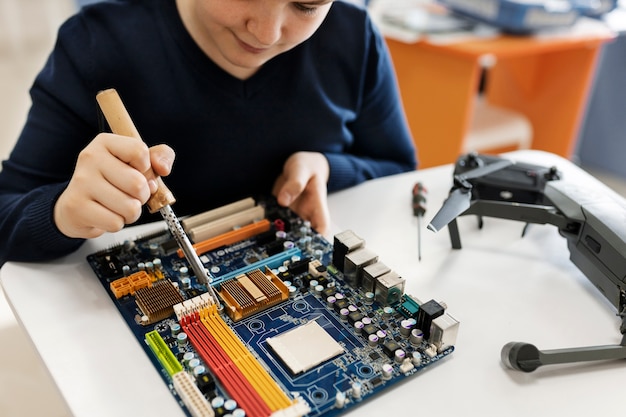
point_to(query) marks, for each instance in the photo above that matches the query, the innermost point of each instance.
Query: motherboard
(289, 324)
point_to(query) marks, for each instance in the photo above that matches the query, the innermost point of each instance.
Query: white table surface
(501, 287)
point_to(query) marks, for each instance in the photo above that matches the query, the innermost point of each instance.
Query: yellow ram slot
(256, 375)
(163, 353)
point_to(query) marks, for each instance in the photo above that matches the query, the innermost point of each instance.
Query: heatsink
(252, 292)
(157, 302)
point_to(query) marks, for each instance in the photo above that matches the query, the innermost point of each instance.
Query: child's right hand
(109, 187)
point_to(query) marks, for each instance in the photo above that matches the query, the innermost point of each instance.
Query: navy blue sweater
(335, 94)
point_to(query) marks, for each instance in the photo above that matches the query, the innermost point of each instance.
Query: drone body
(593, 224)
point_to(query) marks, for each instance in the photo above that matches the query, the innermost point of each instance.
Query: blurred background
(27, 33)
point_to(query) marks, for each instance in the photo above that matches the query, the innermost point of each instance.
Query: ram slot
(243, 377)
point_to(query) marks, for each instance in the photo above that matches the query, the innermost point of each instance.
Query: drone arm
(528, 213)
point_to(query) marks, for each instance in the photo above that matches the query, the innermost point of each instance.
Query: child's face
(242, 35)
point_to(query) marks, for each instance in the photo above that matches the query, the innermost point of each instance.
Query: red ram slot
(223, 368)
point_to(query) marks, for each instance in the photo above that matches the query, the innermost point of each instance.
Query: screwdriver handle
(419, 199)
(120, 123)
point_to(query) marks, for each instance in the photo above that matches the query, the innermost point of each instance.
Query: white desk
(500, 287)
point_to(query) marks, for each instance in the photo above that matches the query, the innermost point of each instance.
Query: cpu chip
(305, 347)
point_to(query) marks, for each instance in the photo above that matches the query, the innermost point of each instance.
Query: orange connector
(130, 284)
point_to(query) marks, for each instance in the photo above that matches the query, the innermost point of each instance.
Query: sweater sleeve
(41, 163)
(382, 142)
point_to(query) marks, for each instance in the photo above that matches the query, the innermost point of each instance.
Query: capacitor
(230, 405)
(288, 244)
(218, 402)
(193, 363)
(149, 266)
(305, 243)
(126, 270)
(181, 338)
(154, 248)
(366, 320)
(198, 370)
(313, 283)
(330, 301)
(187, 357)
(388, 312)
(141, 266)
(239, 412)
(281, 234)
(293, 291)
(318, 289)
(387, 371)
(416, 337)
(158, 265)
(369, 298)
(406, 326)
(358, 327)
(416, 358)
(372, 340)
(185, 282)
(183, 272)
(343, 314)
(382, 335)
(399, 356)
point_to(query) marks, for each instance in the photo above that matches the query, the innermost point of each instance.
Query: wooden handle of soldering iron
(121, 124)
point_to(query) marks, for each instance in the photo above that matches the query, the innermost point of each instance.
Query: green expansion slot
(163, 353)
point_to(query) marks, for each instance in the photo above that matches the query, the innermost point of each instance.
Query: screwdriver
(121, 124)
(419, 208)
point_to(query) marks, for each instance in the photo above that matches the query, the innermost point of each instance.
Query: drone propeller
(460, 197)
